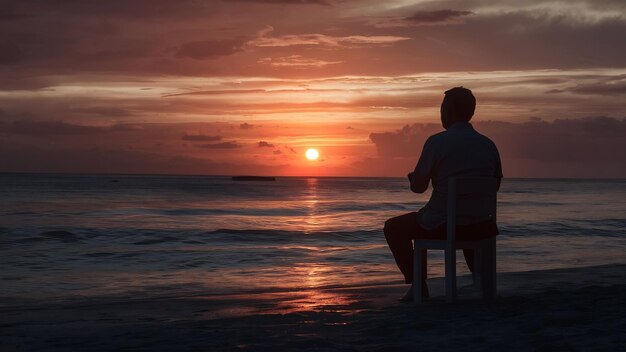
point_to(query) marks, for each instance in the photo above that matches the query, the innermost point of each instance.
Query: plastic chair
(468, 197)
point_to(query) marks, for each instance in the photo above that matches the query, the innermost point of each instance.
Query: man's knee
(388, 228)
(401, 225)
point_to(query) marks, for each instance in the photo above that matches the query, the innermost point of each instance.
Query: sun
(312, 154)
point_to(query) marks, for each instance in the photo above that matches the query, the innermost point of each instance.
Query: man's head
(458, 106)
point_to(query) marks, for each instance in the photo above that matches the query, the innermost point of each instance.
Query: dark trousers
(400, 232)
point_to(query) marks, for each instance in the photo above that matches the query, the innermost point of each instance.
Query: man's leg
(399, 232)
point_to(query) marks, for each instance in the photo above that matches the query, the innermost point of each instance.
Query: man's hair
(462, 101)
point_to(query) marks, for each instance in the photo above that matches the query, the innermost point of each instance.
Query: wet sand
(578, 309)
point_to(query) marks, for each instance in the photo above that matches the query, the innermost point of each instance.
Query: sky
(228, 87)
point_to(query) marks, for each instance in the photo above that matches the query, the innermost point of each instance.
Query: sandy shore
(580, 309)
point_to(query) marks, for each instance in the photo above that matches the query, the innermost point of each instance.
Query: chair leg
(478, 267)
(486, 262)
(489, 272)
(493, 268)
(417, 275)
(450, 273)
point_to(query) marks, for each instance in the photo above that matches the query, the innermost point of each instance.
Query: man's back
(459, 151)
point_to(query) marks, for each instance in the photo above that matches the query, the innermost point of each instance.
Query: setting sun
(312, 154)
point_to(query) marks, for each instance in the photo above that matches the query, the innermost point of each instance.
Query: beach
(579, 309)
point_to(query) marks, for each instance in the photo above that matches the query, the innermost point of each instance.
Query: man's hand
(410, 176)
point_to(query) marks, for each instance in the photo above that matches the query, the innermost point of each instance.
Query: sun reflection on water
(311, 200)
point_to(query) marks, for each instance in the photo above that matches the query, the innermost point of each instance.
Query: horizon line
(280, 176)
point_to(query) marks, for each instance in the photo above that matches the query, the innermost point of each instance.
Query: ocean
(70, 236)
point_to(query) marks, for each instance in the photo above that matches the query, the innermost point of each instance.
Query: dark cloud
(56, 39)
(246, 126)
(277, 152)
(101, 111)
(150, 9)
(403, 142)
(588, 147)
(8, 12)
(604, 86)
(129, 127)
(286, 2)
(10, 53)
(98, 160)
(223, 145)
(48, 128)
(209, 49)
(437, 16)
(201, 138)
(607, 87)
(264, 144)
(218, 92)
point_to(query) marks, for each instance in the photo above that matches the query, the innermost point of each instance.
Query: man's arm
(420, 177)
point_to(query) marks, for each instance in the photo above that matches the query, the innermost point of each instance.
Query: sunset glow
(245, 87)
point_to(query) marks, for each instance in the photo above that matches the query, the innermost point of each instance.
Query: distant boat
(254, 178)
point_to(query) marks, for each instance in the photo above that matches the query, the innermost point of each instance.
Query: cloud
(10, 53)
(588, 147)
(246, 126)
(264, 144)
(296, 61)
(129, 127)
(8, 12)
(217, 92)
(102, 111)
(607, 87)
(286, 2)
(403, 142)
(106, 160)
(201, 138)
(438, 16)
(48, 128)
(55, 39)
(264, 39)
(223, 145)
(423, 18)
(277, 152)
(208, 49)
(572, 13)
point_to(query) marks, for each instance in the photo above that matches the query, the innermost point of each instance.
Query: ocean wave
(379, 206)
(617, 223)
(285, 235)
(571, 228)
(527, 203)
(609, 227)
(163, 238)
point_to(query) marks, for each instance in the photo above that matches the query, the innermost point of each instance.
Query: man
(458, 151)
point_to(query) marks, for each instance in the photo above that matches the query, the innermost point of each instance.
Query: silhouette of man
(458, 151)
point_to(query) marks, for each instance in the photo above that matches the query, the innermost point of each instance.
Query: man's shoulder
(437, 137)
(455, 136)
(485, 139)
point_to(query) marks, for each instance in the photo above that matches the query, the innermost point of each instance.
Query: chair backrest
(470, 199)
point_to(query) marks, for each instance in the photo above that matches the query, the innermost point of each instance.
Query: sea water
(65, 236)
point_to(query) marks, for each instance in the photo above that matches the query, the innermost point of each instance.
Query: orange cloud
(296, 61)
(264, 39)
